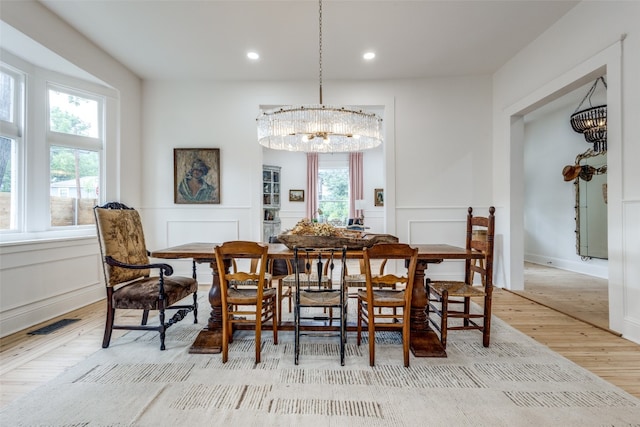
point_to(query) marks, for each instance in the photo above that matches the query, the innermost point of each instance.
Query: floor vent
(52, 327)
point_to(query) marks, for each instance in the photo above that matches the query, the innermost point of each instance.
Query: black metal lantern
(592, 121)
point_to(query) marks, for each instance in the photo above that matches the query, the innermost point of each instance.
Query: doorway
(605, 62)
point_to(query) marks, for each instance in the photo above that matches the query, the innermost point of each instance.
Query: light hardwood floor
(584, 297)
(27, 361)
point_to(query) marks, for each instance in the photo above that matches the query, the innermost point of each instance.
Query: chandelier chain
(320, 48)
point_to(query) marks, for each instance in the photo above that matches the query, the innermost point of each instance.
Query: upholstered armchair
(127, 273)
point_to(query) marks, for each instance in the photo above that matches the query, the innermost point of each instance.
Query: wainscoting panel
(213, 231)
(448, 231)
(181, 232)
(42, 280)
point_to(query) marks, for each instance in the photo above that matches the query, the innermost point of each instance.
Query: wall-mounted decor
(378, 197)
(296, 195)
(196, 175)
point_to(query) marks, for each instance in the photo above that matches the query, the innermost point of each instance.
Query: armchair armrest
(165, 269)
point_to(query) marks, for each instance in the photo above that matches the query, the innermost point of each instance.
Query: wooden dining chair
(246, 296)
(359, 280)
(445, 295)
(393, 304)
(314, 290)
(127, 273)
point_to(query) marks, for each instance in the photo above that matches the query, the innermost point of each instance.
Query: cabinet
(270, 201)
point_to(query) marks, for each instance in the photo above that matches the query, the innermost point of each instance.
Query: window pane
(7, 87)
(333, 193)
(73, 114)
(7, 184)
(74, 186)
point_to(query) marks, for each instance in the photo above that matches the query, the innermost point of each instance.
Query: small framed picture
(196, 175)
(296, 195)
(378, 197)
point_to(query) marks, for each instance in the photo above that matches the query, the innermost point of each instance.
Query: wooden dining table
(424, 340)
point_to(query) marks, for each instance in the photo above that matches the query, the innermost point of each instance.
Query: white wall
(436, 156)
(549, 202)
(579, 46)
(43, 279)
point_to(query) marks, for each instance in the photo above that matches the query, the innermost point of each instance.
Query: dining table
(424, 342)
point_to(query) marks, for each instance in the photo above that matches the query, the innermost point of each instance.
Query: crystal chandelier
(319, 128)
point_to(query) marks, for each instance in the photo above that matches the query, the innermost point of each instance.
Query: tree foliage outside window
(333, 193)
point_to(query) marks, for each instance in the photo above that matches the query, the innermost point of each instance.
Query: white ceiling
(189, 39)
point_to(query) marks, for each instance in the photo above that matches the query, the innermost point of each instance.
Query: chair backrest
(387, 251)
(121, 237)
(318, 264)
(480, 237)
(235, 250)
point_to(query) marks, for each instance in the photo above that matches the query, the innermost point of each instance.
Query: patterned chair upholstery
(127, 272)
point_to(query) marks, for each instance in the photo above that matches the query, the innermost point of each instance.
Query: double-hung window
(74, 134)
(11, 145)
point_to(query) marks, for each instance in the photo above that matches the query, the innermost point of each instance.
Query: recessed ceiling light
(369, 56)
(253, 55)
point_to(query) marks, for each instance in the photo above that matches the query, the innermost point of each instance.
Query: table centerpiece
(309, 234)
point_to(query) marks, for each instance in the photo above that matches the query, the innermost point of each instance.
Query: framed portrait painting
(196, 175)
(378, 197)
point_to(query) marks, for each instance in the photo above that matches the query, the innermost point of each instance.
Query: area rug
(514, 382)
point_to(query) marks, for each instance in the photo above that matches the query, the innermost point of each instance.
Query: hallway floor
(577, 295)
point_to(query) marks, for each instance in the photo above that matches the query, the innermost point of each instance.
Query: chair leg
(486, 327)
(443, 318)
(405, 342)
(225, 338)
(273, 321)
(296, 321)
(359, 334)
(145, 317)
(467, 310)
(111, 314)
(162, 329)
(372, 337)
(258, 336)
(280, 298)
(195, 307)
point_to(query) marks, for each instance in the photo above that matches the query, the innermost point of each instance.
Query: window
(333, 188)
(74, 155)
(52, 150)
(11, 101)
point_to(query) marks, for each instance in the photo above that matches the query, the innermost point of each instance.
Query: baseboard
(597, 268)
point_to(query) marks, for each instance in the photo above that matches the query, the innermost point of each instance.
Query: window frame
(14, 130)
(34, 200)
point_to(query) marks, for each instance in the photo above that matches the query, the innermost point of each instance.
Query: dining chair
(445, 295)
(393, 304)
(287, 284)
(359, 280)
(127, 274)
(246, 296)
(317, 288)
(281, 270)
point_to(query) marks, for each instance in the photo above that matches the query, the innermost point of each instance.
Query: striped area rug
(514, 382)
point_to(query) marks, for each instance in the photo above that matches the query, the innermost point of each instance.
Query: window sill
(16, 239)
